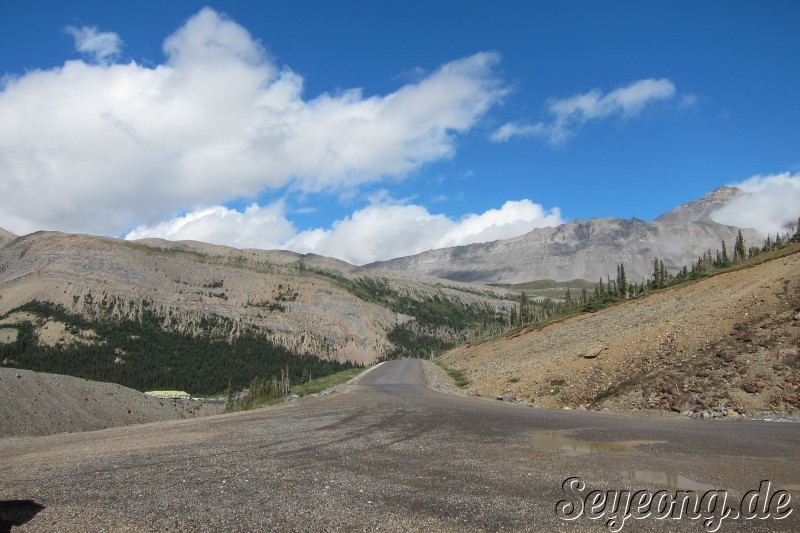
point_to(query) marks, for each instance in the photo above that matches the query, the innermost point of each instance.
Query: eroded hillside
(729, 341)
(307, 304)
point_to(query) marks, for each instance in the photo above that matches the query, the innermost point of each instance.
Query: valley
(402, 446)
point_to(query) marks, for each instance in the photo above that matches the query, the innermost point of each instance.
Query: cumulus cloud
(100, 46)
(255, 227)
(382, 230)
(770, 204)
(97, 147)
(570, 114)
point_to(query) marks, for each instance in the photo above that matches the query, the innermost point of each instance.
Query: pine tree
(523, 309)
(622, 281)
(656, 273)
(739, 250)
(796, 236)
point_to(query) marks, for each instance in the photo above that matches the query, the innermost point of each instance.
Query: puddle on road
(667, 479)
(556, 440)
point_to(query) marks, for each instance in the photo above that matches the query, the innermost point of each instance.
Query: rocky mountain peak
(702, 208)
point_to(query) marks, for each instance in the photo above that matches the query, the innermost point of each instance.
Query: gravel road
(386, 454)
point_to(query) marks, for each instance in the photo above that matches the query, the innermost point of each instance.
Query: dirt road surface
(389, 454)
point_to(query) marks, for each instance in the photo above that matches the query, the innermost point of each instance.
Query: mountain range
(588, 250)
(319, 306)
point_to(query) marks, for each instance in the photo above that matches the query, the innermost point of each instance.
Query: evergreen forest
(142, 355)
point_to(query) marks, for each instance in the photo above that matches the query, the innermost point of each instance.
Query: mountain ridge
(584, 249)
(307, 304)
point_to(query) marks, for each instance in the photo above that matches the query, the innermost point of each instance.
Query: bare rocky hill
(729, 342)
(588, 250)
(35, 403)
(6, 237)
(309, 304)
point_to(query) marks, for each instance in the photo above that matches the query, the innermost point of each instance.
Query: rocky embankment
(35, 403)
(726, 346)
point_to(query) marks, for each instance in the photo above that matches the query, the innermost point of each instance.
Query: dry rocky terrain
(723, 346)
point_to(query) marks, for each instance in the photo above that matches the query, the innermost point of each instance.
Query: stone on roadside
(593, 352)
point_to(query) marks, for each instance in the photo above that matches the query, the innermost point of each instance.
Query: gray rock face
(703, 208)
(585, 249)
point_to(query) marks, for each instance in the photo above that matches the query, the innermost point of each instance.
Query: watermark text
(713, 507)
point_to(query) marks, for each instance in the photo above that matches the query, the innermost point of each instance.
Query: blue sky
(389, 127)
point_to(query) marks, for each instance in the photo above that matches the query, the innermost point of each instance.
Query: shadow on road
(17, 512)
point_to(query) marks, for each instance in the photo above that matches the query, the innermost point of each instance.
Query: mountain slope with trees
(729, 341)
(199, 317)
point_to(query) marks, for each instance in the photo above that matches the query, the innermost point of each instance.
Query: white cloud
(570, 114)
(516, 129)
(771, 203)
(100, 46)
(378, 231)
(257, 227)
(98, 148)
(383, 230)
(514, 218)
